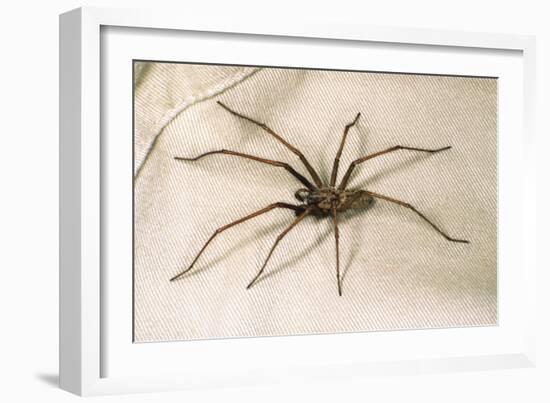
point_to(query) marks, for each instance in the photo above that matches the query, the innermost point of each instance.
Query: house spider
(316, 198)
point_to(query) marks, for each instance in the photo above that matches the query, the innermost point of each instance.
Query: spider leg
(239, 221)
(352, 166)
(306, 163)
(281, 236)
(339, 153)
(336, 238)
(410, 207)
(284, 165)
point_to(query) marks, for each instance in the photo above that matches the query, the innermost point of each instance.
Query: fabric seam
(171, 114)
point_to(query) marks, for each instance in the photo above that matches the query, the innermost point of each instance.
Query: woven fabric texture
(398, 273)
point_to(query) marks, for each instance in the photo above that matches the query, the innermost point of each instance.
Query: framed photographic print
(256, 202)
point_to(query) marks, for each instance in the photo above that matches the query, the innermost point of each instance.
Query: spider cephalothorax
(317, 198)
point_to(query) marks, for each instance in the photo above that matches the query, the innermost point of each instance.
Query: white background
(239, 355)
(29, 212)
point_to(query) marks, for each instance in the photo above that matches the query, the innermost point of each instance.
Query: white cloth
(398, 273)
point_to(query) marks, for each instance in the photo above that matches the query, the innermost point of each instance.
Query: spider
(317, 198)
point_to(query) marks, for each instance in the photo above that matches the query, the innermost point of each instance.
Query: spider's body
(317, 199)
(322, 200)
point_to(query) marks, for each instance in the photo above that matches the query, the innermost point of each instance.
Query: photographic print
(273, 201)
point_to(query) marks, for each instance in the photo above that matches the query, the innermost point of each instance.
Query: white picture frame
(82, 307)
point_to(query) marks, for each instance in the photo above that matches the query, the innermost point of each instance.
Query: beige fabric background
(398, 273)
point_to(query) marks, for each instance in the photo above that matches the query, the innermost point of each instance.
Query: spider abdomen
(323, 199)
(357, 199)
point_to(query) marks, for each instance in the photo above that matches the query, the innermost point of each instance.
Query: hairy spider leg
(281, 164)
(293, 149)
(239, 221)
(281, 236)
(336, 238)
(336, 163)
(358, 161)
(409, 206)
